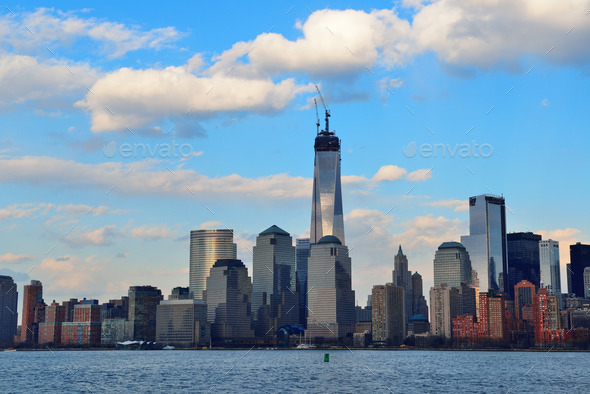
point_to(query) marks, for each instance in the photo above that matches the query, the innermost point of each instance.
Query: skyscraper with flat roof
(523, 259)
(326, 208)
(486, 242)
(550, 267)
(206, 247)
(302, 250)
(524, 291)
(388, 310)
(32, 302)
(579, 260)
(8, 312)
(143, 304)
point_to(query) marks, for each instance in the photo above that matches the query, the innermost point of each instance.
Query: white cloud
(456, 205)
(161, 231)
(29, 30)
(493, 33)
(419, 175)
(100, 237)
(25, 78)
(81, 209)
(11, 258)
(18, 211)
(128, 98)
(389, 173)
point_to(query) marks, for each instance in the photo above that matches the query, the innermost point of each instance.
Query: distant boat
(10, 350)
(169, 347)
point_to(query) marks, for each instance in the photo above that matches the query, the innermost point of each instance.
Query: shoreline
(77, 349)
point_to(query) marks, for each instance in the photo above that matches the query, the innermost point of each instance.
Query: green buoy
(327, 357)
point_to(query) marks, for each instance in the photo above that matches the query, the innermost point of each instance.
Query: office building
(402, 277)
(326, 209)
(115, 330)
(8, 312)
(389, 325)
(180, 293)
(550, 267)
(587, 282)
(579, 260)
(444, 306)
(302, 250)
(486, 242)
(523, 259)
(69, 308)
(275, 300)
(182, 322)
(206, 247)
(524, 291)
(331, 315)
(228, 298)
(452, 265)
(143, 304)
(33, 307)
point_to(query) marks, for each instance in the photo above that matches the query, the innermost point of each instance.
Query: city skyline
(88, 215)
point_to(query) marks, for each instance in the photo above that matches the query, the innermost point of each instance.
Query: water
(294, 371)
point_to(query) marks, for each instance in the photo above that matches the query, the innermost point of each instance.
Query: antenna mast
(326, 109)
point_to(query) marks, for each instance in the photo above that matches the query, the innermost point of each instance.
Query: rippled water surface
(294, 371)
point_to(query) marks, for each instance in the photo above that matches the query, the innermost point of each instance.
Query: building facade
(452, 265)
(143, 304)
(206, 247)
(8, 314)
(550, 276)
(50, 329)
(85, 329)
(331, 314)
(228, 298)
(402, 277)
(302, 250)
(579, 260)
(524, 291)
(275, 298)
(33, 307)
(486, 242)
(183, 322)
(444, 306)
(523, 259)
(389, 325)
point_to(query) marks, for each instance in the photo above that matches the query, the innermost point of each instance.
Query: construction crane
(317, 116)
(326, 109)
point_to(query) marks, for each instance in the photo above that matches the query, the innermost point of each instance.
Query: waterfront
(294, 371)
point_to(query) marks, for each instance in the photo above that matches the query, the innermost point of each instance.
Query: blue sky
(499, 91)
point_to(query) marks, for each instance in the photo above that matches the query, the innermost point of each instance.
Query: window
(273, 241)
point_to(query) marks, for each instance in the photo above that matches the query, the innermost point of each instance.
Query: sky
(126, 125)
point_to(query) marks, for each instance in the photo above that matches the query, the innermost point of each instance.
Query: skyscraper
(587, 282)
(330, 299)
(486, 242)
(550, 269)
(228, 297)
(389, 327)
(326, 209)
(546, 310)
(523, 259)
(419, 304)
(50, 329)
(143, 304)
(274, 281)
(452, 265)
(8, 314)
(444, 306)
(402, 277)
(579, 259)
(207, 246)
(302, 250)
(182, 321)
(32, 303)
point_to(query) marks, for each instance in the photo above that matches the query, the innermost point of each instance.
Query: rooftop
(274, 229)
(452, 244)
(329, 239)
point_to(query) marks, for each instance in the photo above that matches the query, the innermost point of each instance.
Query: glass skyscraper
(302, 250)
(452, 265)
(326, 208)
(486, 242)
(8, 314)
(523, 259)
(580, 259)
(549, 263)
(208, 246)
